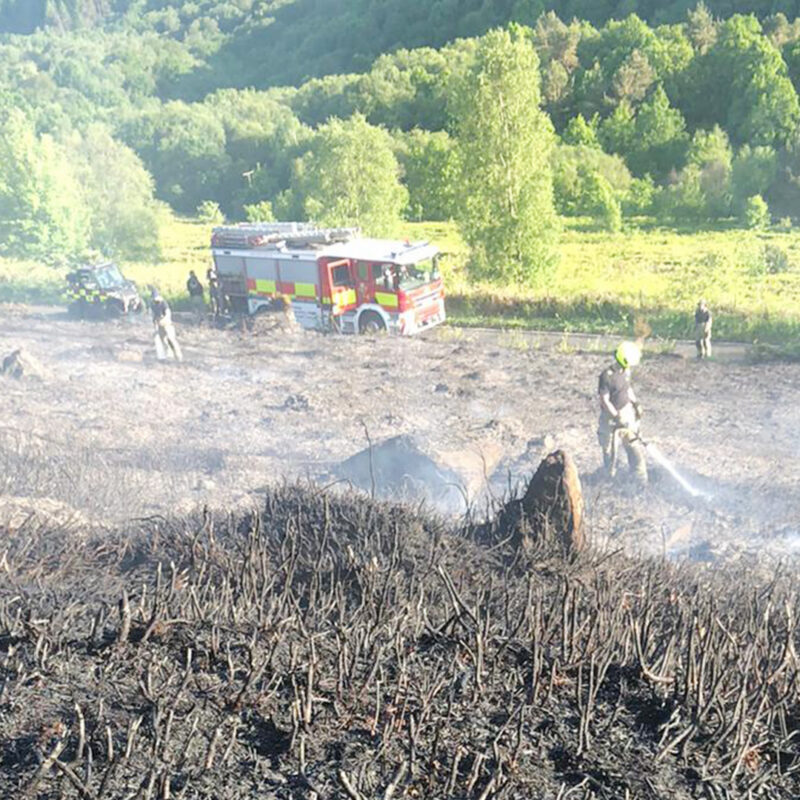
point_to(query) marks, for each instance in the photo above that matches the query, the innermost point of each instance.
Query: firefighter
(702, 329)
(284, 302)
(620, 413)
(195, 289)
(386, 278)
(214, 295)
(166, 341)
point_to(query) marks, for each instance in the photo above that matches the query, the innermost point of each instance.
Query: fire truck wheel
(370, 322)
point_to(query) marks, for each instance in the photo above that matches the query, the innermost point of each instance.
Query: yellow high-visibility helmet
(628, 355)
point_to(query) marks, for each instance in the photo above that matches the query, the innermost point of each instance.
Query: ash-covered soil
(292, 641)
(105, 433)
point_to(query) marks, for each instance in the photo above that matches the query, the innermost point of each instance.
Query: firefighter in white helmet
(620, 413)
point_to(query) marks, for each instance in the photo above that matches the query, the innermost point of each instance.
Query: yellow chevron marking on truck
(305, 290)
(267, 287)
(344, 297)
(85, 294)
(386, 299)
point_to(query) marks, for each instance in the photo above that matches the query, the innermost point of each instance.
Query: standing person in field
(214, 290)
(702, 329)
(195, 289)
(284, 304)
(166, 340)
(620, 413)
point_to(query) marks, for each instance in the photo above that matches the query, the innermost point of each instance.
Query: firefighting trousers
(702, 339)
(611, 437)
(198, 304)
(165, 335)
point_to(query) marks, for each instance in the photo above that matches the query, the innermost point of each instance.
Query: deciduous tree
(653, 140)
(701, 27)
(754, 171)
(430, 167)
(506, 211)
(183, 145)
(42, 212)
(742, 84)
(350, 176)
(117, 192)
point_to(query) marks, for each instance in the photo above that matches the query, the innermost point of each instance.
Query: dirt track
(112, 434)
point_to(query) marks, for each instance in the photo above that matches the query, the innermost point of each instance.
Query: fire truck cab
(335, 279)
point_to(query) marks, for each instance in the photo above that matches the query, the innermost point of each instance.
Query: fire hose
(629, 421)
(654, 452)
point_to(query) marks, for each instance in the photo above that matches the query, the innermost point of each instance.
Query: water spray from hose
(664, 462)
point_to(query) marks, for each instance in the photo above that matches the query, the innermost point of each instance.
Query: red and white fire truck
(334, 278)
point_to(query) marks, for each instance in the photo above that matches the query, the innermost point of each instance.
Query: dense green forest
(113, 108)
(266, 43)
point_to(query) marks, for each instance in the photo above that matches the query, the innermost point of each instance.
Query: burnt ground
(296, 642)
(331, 647)
(107, 433)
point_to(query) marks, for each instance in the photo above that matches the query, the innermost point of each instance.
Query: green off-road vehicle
(101, 290)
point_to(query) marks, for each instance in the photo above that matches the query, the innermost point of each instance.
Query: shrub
(589, 181)
(602, 203)
(776, 259)
(640, 196)
(259, 212)
(756, 213)
(209, 211)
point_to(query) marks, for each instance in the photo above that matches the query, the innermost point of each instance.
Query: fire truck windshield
(412, 276)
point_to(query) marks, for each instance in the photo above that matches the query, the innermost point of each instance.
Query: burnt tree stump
(18, 364)
(553, 503)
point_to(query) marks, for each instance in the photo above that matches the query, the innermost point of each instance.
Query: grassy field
(645, 278)
(184, 247)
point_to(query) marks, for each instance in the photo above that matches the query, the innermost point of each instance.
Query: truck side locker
(233, 281)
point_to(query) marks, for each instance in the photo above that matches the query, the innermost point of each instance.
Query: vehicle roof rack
(92, 265)
(277, 235)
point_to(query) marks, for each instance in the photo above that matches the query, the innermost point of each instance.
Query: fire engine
(335, 279)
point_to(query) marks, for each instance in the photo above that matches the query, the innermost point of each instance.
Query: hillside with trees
(678, 113)
(265, 43)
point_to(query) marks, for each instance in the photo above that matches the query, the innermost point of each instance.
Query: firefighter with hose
(620, 413)
(166, 340)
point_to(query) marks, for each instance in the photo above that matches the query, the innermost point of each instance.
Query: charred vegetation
(329, 646)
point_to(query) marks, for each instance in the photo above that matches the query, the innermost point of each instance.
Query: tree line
(697, 120)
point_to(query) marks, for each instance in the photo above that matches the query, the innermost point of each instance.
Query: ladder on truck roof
(250, 235)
